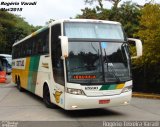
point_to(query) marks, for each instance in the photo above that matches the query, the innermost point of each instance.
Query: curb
(5, 83)
(146, 95)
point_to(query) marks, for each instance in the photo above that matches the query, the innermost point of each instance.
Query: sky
(45, 10)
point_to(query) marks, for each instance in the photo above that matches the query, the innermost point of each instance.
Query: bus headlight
(127, 89)
(75, 91)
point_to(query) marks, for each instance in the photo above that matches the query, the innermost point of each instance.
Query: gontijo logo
(19, 63)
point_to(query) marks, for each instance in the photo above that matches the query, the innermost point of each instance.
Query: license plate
(104, 101)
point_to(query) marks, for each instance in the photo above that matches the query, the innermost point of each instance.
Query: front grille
(102, 93)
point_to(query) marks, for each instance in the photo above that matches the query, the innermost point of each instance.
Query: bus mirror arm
(64, 46)
(138, 45)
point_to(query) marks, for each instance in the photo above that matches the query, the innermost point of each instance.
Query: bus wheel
(19, 85)
(46, 97)
(16, 80)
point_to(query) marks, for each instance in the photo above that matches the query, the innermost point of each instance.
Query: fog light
(74, 106)
(126, 102)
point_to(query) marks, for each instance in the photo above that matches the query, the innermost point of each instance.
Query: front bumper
(75, 102)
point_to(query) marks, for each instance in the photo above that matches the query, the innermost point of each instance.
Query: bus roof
(6, 55)
(84, 20)
(66, 20)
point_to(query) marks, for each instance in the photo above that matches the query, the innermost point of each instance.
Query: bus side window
(33, 46)
(42, 42)
(46, 43)
(57, 62)
(28, 45)
(40, 46)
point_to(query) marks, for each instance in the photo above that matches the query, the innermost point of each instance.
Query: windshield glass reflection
(98, 62)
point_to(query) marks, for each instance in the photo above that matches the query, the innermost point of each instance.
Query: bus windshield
(97, 62)
(94, 31)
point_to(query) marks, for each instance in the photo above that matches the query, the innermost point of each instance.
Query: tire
(46, 97)
(18, 82)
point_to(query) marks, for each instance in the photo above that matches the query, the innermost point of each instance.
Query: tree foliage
(147, 67)
(12, 29)
(89, 13)
(48, 22)
(115, 2)
(128, 14)
(149, 32)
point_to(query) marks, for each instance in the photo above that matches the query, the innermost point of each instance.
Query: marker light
(75, 91)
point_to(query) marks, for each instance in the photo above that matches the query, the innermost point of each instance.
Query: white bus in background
(6, 62)
(76, 64)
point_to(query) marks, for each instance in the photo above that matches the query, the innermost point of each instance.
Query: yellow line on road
(146, 95)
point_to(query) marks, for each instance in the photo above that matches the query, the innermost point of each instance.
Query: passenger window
(36, 45)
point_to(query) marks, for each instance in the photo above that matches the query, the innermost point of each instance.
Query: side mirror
(138, 45)
(64, 46)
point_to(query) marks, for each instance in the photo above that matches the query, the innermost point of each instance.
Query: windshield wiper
(126, 51)
(106, 60)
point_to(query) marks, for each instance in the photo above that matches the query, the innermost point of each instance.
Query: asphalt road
(24, 106)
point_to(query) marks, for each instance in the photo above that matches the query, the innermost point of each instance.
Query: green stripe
(112, 87)
(32, 77)
(108, 87)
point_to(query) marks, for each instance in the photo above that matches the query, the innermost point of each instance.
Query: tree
(94, 13)
(149, 32)
(2, 38)
(48, 22)
(128, 14)
(12, 30)
(88, 13)
(115, 2)
(5, 28)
